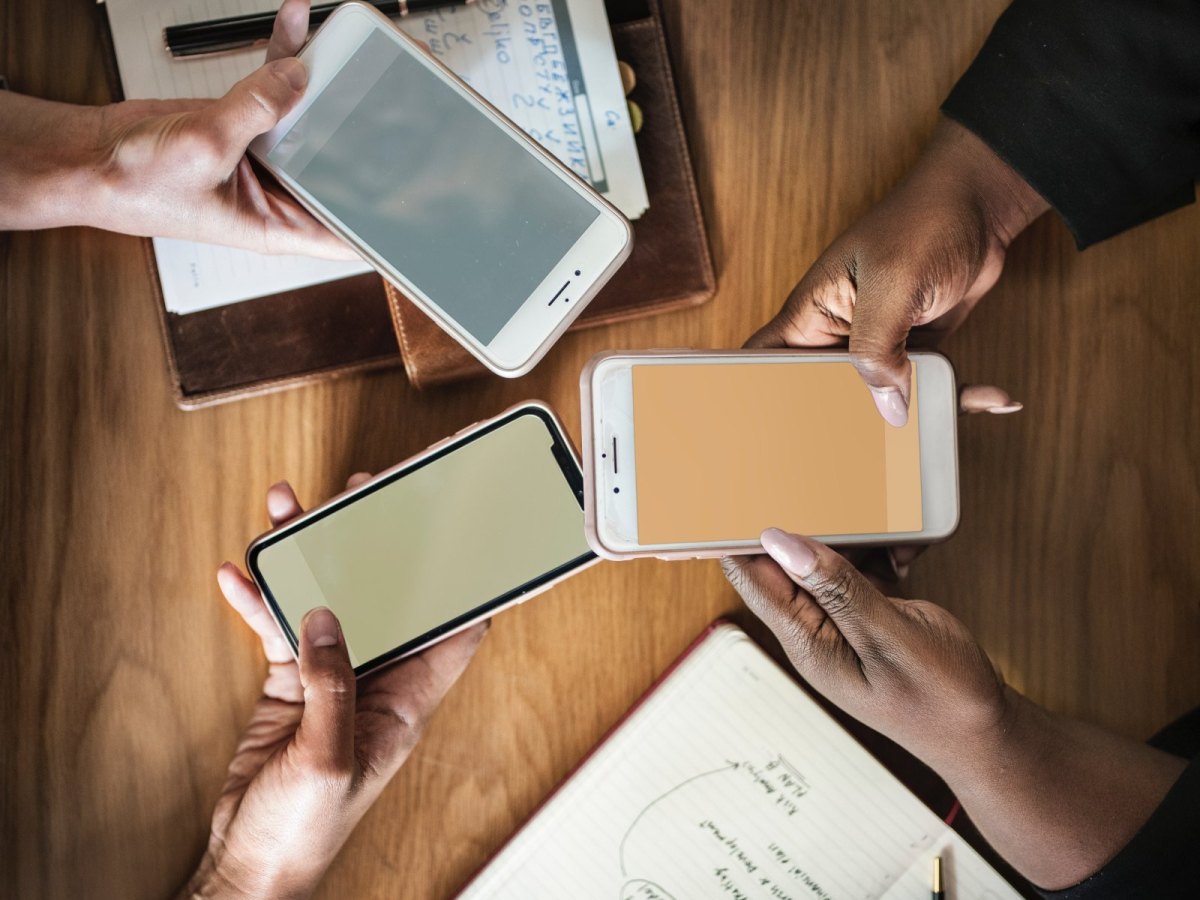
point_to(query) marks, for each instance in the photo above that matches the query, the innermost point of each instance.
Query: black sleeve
(1096, 103)
(1161, 860)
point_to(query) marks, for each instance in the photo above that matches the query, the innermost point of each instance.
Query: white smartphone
(487, 518)
(482, 228)
(692, 454)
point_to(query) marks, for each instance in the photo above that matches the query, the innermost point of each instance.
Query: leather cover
(670, 267)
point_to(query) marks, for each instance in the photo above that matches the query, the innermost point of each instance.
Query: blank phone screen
(724, 451)
(490, 517)
(433, 186)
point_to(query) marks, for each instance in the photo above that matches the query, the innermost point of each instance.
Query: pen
(237, 32)
(938, 892)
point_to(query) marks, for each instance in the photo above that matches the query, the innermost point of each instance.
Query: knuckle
(874, 359)
(333, 685)
(200, 144)
(405, 726)
(836, 591)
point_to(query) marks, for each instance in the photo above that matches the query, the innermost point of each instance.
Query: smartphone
(482, 520)
(488, 233)
(691, 454)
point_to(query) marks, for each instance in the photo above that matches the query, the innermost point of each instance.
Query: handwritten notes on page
(549, 66)
(729, 782)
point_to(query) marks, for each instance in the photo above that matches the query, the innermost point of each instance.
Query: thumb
(878, 333)
(253, 106)
(325, 737)
(845, 595)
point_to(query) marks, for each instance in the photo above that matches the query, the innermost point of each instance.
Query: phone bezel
(561, 450)
(938, 440)
(540, 319)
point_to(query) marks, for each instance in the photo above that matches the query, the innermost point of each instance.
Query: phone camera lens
(577, 273)
(616, 490)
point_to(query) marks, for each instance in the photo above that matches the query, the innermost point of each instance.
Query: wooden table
(125, 680)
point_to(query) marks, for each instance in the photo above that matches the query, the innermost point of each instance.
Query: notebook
(549, 66)
(728, 781)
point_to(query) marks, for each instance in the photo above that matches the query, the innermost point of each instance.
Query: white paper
(511, 52)
(730, 782)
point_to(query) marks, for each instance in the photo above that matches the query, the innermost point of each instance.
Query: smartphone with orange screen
(692, 454)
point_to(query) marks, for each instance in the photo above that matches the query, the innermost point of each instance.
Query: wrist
(1007, 201)
(992, 745)
(221, 878)
(48, 159)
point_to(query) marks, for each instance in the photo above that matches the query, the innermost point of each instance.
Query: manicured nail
(292, 71)
(790, 551)
(321, 627)
(1005, 410)
(891, 405)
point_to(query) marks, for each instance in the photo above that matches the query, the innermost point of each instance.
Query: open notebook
(728, 781)
(549, 66)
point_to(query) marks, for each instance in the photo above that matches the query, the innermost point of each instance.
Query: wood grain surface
(125, 680)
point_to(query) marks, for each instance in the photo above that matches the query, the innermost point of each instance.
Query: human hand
(179, 168)
(906, 668)
(921, 259)
(319, 748)
(165, 168)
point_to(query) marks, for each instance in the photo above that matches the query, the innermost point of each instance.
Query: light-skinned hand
(320, 746)
(920, 259)
(165, 168)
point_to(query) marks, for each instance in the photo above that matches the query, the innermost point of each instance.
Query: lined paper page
(730, 783)
(549, 66)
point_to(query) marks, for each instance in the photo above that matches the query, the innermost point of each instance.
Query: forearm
(47, 162)
(1057, 798)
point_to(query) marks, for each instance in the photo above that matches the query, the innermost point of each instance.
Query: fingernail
(292, 71)
(321, 627)
(891, 405)
(790, 551)
(1005, 410)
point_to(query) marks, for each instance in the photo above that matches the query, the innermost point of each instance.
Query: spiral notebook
(727, 780)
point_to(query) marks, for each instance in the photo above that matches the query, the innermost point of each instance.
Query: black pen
(938, 892)
(238, 32)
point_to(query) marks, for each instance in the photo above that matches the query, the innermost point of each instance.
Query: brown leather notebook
(670, 267)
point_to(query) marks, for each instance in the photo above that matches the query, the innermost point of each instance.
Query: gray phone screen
(450, 200)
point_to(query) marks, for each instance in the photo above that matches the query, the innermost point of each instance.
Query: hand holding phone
(310, 764)
(487, 518)
(489, 234)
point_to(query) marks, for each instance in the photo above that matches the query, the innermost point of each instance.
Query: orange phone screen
(723, 451)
